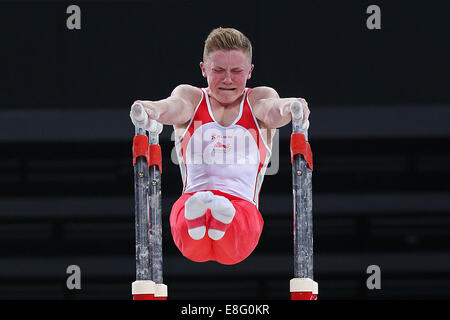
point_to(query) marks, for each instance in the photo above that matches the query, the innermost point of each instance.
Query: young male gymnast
(223, 140)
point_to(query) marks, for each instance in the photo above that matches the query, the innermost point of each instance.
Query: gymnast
(223, 139)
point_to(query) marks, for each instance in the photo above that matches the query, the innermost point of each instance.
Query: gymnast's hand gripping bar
(147, 183)
(302, 286)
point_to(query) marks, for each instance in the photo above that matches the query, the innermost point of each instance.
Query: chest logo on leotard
(221, 143)
(232, 146)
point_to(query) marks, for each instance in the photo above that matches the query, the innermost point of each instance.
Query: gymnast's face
(227, 72)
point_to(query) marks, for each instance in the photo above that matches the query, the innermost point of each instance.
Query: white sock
(223, 211)
(197, 233)
(194, 208)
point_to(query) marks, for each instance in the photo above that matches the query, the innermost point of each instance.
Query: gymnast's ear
(250, 72)
(202, 67)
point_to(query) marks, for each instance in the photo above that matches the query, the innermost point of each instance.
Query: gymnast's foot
(195, 213)
(222, 212)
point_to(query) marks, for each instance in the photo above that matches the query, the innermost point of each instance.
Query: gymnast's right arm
(177, 109)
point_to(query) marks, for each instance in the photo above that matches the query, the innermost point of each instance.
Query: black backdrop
(379, 133)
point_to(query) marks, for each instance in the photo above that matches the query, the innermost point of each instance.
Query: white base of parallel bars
(303, 289)
(148, 290)
(160, 291)
(143, 290)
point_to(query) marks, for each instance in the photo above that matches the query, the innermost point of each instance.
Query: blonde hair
(227, 39)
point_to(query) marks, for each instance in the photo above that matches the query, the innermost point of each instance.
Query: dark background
(380, 134)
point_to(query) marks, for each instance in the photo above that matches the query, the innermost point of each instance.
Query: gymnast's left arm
(272, 110)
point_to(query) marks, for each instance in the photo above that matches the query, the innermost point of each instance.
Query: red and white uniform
(229, 161)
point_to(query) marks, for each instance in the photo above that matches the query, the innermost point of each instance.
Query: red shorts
(239, 240)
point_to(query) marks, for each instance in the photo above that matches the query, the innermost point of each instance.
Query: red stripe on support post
(140, 147)
(154, 151)
(303, 289)
(299, 145)
(143, 297)
(303, 296)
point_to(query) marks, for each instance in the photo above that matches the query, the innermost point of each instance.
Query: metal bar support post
(148, 222)
(302, 286)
